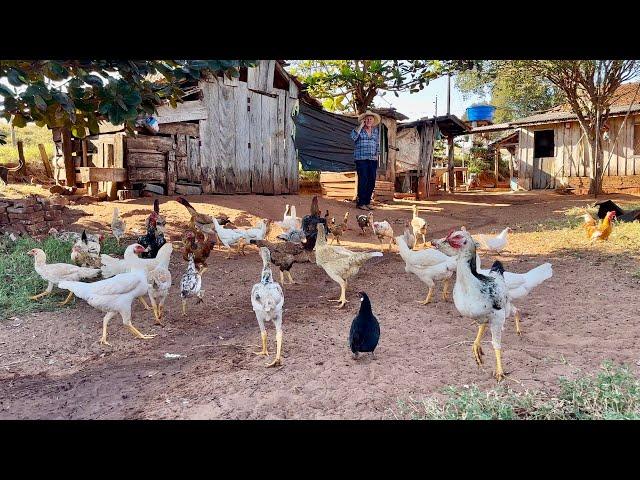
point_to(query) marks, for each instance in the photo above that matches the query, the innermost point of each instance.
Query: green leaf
(78, 131)
(14, 78)
(94, 127)
(40, 103)
(93, 80)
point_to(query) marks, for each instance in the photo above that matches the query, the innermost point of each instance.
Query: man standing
(367, 147)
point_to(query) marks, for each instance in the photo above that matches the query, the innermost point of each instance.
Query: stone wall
(31, 215)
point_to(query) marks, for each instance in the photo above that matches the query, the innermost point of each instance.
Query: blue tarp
(323, 140)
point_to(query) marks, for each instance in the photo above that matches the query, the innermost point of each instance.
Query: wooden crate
(100, 174)
(344, 186)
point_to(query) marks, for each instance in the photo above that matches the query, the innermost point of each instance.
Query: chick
(118, 226)
(159, 281)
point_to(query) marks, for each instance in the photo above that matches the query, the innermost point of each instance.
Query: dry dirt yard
(52, 366)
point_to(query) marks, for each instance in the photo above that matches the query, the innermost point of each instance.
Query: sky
(422, 104)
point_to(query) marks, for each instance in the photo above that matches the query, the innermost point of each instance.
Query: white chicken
(118, 225)
(159, 282)
(55, 273)
(113, 266)
(113, 295)
(238, 237)
(494, 244)
(289, 220)
(429, 266)
(383, 230)
(190, 284)
(519, 284)
(419, 226)
(267, 299)
(483, 298)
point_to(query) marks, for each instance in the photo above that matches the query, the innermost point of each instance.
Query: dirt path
(51, 365)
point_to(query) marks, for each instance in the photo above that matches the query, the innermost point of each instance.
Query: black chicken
(621, 215)
(365, 329)
(309, 225)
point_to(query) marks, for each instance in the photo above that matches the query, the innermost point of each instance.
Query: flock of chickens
(487, 296)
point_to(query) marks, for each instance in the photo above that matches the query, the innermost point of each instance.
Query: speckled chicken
(339, 263)
(364, 222)
(190, 284)
(337, 229)
(267, 300)
(383, 231)
(85, 252)
(284, 255)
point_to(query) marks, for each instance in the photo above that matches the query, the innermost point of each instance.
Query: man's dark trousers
(366, 180)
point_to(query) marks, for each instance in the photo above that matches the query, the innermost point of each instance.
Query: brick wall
(31, 215)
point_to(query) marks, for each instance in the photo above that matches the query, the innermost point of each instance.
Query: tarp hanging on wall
(323, 140)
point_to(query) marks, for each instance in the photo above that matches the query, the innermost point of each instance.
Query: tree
(515, 93)
(77, 94)
(353, 84)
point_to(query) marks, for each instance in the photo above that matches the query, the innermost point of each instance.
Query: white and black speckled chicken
(364, 222)
(267, 299)
(191, 284)
(483, 298)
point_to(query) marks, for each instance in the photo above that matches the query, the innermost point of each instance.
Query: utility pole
(449, 94)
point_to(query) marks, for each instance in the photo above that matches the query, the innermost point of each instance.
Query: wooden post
(45, 160)
(23, 169)
(69, 167)
(451, 179)
(510, 168)
(495, 164)
(172, 175)
(84, 153)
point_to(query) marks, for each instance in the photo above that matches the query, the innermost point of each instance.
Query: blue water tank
(480, 112)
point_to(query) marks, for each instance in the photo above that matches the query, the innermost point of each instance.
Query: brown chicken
(337, 229)
(598, 232)
(200, 245)
(284, 255)
(200, 221)
(339, 263)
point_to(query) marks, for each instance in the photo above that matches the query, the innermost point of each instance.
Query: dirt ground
(52, 366)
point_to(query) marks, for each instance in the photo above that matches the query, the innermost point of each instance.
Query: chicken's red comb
(449, 234)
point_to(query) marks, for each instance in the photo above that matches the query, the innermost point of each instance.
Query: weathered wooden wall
(572, 154)
(246, 139)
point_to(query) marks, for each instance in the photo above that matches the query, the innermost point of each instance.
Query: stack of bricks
(31, 215)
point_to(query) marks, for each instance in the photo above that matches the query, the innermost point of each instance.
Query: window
(636, 139)
(543, 143)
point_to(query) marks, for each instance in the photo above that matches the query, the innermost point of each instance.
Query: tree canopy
(513, 91)
(77, 94)
(352, 85)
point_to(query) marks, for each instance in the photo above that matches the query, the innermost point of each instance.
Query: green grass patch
(612, 393)
(31, 136)
(19, 280)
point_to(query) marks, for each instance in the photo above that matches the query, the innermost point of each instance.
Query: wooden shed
(551, 151)
(228, 136)
(414, 159)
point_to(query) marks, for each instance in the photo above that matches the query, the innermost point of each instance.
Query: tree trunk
(595, 175)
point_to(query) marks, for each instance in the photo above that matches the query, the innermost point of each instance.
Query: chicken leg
(144, 304)
(429, 297)
(43, 294)
(156, 311)
(277, 360)
(477, 348)
(105, 322)
(291, 281)
(343, 295)
(445, 290)
(137, 332)
(517, 317)
(499, 371)
(66, 300)
(264, 350)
